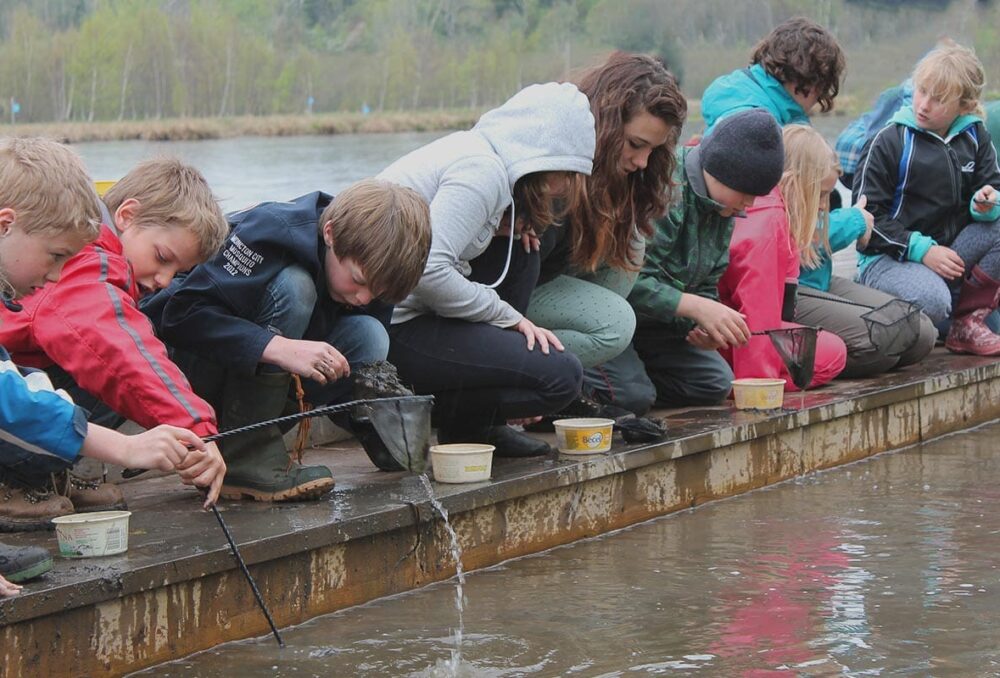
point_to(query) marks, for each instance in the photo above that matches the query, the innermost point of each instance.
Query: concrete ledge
(177, 590)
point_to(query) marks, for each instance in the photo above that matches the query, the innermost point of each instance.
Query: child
(763, 266)
(48, 211)
(797, 66)
(680, 322)
(589, 266)
(295, 290)
(87, 331)
(929, 178)
(461, 336)
(811, 171)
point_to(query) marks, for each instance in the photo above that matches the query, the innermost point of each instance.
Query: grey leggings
(978, 244)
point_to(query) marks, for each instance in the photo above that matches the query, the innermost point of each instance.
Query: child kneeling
(298, 288)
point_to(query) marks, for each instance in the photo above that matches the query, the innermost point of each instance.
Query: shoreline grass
(189, 129)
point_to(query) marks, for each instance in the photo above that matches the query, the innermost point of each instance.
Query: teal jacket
(844, 231)
(689, 252)
(754, 87)
(748, 88)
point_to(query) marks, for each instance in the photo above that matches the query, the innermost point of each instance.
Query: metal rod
(288, 419)
(246, 573)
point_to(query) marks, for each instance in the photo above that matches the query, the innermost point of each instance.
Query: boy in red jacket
(87, 331)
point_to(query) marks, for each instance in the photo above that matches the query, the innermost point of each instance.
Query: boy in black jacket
(929, 177)
(300, 287)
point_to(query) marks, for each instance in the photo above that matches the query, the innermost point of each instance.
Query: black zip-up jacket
(920, 186)
(211, 312)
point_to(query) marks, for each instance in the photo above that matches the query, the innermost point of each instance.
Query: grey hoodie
(468, 178)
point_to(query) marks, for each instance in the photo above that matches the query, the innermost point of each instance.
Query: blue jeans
(286, 309)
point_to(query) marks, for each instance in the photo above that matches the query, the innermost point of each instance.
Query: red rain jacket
(89, 323)
(762, 258)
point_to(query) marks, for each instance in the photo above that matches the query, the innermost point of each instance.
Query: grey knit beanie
(744, 152)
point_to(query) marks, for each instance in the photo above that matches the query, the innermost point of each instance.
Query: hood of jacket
(746, 88)
(542, 128)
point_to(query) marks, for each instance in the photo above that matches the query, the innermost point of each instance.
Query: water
(887, 567)
(246, 170)
(454, 664)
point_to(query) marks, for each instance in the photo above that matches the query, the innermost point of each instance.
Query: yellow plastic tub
(583, 436)
(758, 394)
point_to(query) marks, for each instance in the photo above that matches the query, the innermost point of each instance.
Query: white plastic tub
(462, 462)
(583, 436)
(85, 535)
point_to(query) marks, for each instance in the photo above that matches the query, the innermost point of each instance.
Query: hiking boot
(89, 495)
(581, 407)
(969, 332)
(21, 563)
(507, 441)
(257, 463)
(25, 510)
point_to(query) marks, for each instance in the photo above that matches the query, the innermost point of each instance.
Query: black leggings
(480, 374)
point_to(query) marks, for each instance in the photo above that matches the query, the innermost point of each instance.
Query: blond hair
(385, 229)
(809, 160)
(47, 186)
(171, 194)
(950, 73)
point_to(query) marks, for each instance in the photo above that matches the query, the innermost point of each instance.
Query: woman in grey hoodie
(521, 166)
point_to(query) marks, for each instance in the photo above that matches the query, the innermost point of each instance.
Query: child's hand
(534, 333)
(723, 325)
(8, 588)
(985, 199)
(204, 468)
(699, 339)
(861, 204)
(945, 262)
(316, 360)
(164, 447)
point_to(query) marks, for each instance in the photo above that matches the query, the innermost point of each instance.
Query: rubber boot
(969, 332)
(507, 441)
(21, 563)
(257, 462)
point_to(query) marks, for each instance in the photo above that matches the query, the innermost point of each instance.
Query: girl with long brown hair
(590, 264)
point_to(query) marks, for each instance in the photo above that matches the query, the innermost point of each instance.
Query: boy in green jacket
(673, 360)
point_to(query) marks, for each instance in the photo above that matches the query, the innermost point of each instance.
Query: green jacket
(689, 252)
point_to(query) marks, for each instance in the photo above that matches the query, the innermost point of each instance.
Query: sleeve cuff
(992, 215)
(918, 246)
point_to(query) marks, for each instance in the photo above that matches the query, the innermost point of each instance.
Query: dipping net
(893, 327)
(797, 348)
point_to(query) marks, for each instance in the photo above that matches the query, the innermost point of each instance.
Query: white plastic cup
(86, 535)
(584, 435)
(758, 394)
(462, 462)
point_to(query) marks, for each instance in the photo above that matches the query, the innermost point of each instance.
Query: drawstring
(510, 250)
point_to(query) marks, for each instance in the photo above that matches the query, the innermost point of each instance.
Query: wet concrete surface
(172, 540)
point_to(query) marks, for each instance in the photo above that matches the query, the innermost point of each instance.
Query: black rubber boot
(21, 563)
(257, 463)
(507, 441)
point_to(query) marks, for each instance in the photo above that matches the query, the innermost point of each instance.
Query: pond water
(887, 567)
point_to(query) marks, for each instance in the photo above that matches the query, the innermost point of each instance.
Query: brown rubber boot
(25, 510)
(969, 332)
(89, 495)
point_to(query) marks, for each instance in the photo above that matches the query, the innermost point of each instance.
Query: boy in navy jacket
(301, 288)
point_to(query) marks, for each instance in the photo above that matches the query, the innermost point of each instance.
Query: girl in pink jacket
(768, 244)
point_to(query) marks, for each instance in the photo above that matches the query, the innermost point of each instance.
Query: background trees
(147, 59)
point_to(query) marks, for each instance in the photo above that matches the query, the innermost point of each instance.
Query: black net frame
(797, 348)
(893, 327)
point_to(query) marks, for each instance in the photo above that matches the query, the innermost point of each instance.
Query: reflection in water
(885, 567)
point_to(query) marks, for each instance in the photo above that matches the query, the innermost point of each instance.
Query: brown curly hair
(804, 54)
(619, 89)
